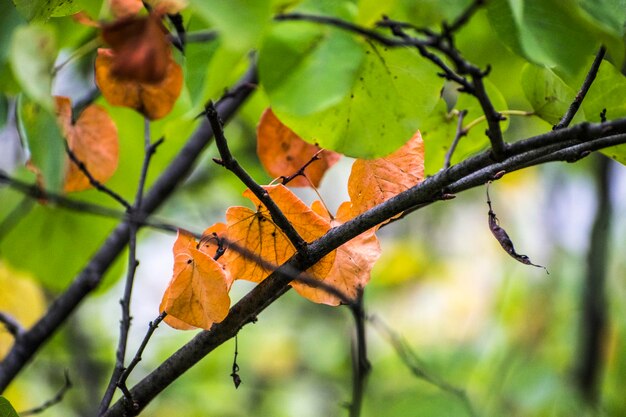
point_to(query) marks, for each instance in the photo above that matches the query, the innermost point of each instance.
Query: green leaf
(33, 52)
(547, 93)
(440, 129)
(54, 244)
(239, 22)
(40, 129)
(559, 33)
(44, 9)
(395, 90)
(6, 409)
(306, 68)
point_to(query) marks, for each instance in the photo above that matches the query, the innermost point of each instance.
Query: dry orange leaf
(141, 50)
(93, 139)
(197, 295)
(353, 263)
(152, 100)
(373, 181)
(282, 152)
(256, 232)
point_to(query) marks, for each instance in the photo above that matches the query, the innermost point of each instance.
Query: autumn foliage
(250, 246)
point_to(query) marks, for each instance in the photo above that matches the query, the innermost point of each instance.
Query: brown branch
(594, 315)
(149, 151)
(92, 180)
(230, 163)
(584, 88)
(11, 324)
(121, 382)
(34, 192)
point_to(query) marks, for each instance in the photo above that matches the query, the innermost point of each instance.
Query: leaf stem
(481, 119)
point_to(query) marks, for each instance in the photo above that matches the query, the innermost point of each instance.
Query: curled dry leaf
(256, 232)
(141, 51)
(353, 263)
(152, 100)
(93, 139)
(373, 181)
(282, 152)
(197, 295)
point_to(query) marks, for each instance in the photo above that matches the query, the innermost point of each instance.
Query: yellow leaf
(374, 181)
(197, 295)
(256, 232)
(93, 139)
(353, 263)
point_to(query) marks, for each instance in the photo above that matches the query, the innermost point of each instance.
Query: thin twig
(92, 180)
(584, 88)
(54, 400)
(464, 17)
(300, 172)
(333, 21)
(121, 382)
(416, 366)
(34, 192)
(11, 324)
(149, 150)
(230, 163)
(460, 132)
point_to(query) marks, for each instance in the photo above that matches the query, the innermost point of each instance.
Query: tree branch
(11, 324)
(230, 163)
(584, 88)
(477, 170)
(89, 278)
(149, 150)
(593, 320)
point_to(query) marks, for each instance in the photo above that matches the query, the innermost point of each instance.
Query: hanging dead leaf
(256, 232)
(93, 139)
(141, 50)
(197, 295)
(373, 181)
(353, 263)
(283, 153)
(152, 100)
